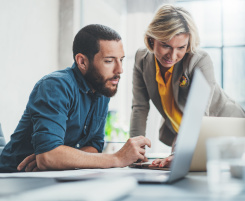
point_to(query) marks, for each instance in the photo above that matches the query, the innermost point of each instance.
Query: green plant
(114, 129)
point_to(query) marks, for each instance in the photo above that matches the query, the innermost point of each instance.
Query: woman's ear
(151, 42)
(82, 62)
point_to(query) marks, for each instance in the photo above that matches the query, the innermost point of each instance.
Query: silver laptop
(215, 127)
(188, 134)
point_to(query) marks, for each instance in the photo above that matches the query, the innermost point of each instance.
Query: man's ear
(82, 62)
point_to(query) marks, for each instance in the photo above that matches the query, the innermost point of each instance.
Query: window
(222, 32)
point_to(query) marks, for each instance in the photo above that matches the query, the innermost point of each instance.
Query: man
(63, 124)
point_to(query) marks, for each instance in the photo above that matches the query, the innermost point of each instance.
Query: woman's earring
(151, 42)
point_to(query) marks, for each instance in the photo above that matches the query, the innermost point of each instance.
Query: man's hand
(132, 151)
(29, 163)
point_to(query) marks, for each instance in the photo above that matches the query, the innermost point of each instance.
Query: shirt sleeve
(98, 140)
(48, 106)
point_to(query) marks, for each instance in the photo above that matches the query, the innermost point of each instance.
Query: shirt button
(85, 127)
(78, 145)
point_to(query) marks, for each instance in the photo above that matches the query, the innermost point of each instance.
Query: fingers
(26, 161)
(133, 150)
(31, 166)
(142, 141)
(141, 157)
(142, 151)
(157, 161)
(142, 154)
(36, 169)
(145, 159)
(166, 162)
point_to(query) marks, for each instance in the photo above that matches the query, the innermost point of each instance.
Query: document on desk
(79, 173)
(49, 174)
(99, 190)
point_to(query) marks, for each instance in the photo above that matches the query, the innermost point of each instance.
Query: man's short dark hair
(87, 39)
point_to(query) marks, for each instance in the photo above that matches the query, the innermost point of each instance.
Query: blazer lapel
(180, 69)
(177, 73)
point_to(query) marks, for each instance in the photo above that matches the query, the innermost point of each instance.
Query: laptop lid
(215, 127)
(190, 126)
(188, 133)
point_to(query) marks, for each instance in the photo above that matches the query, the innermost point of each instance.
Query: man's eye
(108, 61)
(166, 46)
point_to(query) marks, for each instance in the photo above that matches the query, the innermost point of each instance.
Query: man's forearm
(64, 157)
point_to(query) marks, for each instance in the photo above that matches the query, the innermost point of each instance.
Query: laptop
(215, 127)
(188, 134)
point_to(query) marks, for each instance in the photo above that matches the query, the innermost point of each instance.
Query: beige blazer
(145, 88)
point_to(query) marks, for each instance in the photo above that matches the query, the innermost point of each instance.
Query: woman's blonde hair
(170, 21)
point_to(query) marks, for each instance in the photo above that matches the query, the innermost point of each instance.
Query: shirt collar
(158, 71)
(83, 84)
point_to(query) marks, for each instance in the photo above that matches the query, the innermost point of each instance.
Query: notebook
(188, 134)
(215, 127)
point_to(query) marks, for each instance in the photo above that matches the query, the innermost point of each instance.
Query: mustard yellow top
(167, 99)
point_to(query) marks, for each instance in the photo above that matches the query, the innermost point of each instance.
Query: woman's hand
(166, 162)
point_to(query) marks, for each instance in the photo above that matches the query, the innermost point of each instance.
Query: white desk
(193, 187)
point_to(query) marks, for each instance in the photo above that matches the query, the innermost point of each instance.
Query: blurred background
(36, 38)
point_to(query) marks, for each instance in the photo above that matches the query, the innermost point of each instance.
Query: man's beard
(98, 82)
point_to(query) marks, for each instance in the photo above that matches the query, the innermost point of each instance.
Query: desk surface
(193, 187)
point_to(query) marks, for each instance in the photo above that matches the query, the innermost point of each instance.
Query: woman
(163, 74)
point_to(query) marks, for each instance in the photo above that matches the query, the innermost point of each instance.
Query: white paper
(95, 190)
(48, 174)
(79, 172)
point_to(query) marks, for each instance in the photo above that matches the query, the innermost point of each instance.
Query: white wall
(28, 50)
(111, 13)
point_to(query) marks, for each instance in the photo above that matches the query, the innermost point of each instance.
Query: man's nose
(118, 68)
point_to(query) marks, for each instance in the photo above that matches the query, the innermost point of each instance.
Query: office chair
(2, 140)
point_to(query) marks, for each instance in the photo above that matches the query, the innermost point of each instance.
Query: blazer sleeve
(203, 61)
(220, 104)
(207, 68)
(140, 103)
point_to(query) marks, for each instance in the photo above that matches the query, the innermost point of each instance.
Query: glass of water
(226, 165)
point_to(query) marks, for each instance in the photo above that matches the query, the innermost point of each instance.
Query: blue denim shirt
(62, 110)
